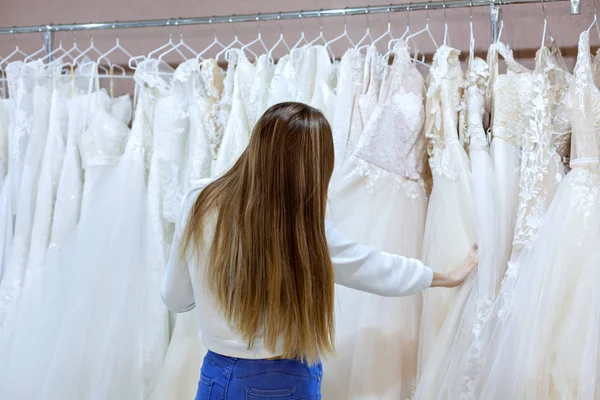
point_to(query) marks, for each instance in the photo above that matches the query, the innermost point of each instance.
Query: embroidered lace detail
(507, 92)
(349, 82)
(374, 175)
(536, 186)
(584, 190)
(259, 92)
(474, 103)
(443, 105)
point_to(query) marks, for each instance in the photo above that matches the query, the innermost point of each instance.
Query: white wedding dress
(348, 84)
(475, 297)
(507, 94)
(12, 283)
(47, 301)
(541, 341)
(450, 232)
(377, 337)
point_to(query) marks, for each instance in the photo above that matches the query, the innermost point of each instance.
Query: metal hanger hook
(471, 11)
(367, 18)
(279, 23)
(233, 25)
(300, 18)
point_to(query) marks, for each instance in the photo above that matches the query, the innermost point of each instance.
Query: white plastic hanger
(35, 54)
(344, 35)
(320, 37)
(180, 45)
(111, 65)
(214, 43)
(446, 34)
(406, 32)
(236, 41)
(388, 31)
(302, 40)
(279, 41)
(425, 30)
(91, 49)
(595, 20)
(15, 52)
(258, 40)
(546, 27)
(359, 45)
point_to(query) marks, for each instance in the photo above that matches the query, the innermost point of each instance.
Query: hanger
(258, 40)
(393, 42)
(16, 52)
(446, 34)
(320, 37)
(359, 46)
(236, 41)
(424, 30)
(281, 40)
(214, 43)
(34, 54)
(595, 20)
(388, 31)
(111, 65)
(342, 36)
(74, 49)
(546, 27)
(471, 37)
(177, 46)
(169, 44)
(302, 41)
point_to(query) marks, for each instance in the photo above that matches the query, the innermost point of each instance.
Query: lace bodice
(584, 102)
(366, 100)
(259, 92)
(284, 85)
(392, 137)
(4, 119)
(507, 92)
(443, 105)
(348, 84)
(474, 102)
(103, 141)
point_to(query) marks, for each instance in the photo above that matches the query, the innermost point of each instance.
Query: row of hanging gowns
(89, 205)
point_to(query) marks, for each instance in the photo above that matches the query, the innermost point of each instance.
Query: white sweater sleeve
(367, 269)
(177, 288)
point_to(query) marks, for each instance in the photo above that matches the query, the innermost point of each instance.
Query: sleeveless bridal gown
(450, 232)
(507, 94)
(377, 337)
(475, 298)
(12, 283)
(541, 340)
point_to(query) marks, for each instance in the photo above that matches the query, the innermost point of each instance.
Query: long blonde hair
(270, 268)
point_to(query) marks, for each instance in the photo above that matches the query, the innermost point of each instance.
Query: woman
(253, 251)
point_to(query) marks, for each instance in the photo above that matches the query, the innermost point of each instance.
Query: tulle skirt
(450, 234)
(81, 329)
(541, 339)
(376, 337)
(181, 370)
(474, 299)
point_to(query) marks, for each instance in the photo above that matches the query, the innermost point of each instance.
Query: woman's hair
(270, 268)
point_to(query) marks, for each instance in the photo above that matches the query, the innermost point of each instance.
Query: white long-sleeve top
(355, 266)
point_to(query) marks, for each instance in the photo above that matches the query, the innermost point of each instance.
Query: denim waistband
(237, 368)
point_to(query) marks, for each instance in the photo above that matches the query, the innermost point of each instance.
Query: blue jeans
(227, 378)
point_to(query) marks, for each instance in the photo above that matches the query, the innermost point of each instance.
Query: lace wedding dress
(6, 226)
(507, 94)
(474, 299)
(549, 299)
(348, 84)
(450, 232)
(377, 355)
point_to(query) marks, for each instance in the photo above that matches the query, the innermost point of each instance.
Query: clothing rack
(48, 30)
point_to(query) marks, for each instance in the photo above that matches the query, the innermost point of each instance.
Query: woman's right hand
(457, 275)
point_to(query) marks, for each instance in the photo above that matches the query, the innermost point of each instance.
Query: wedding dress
(450, 232)
(348, 84)
(4, 124)
(179, 375)
(507, 94)
(549, 299)
(474, 299)
(237, 130)
(46, 305)
(377, 355)
(366, 100)
(10, 287)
